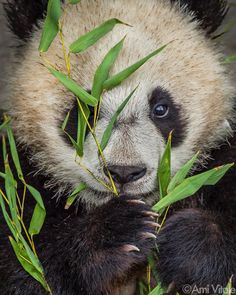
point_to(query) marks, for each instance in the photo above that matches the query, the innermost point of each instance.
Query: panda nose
(125, 174)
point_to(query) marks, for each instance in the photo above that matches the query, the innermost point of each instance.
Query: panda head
(184, 89)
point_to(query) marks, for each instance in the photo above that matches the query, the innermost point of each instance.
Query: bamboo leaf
(36, 194)
(51, 24)
(7, 218)
(120, 77)
(182, 173)
(157, 291)
(63, 127)
(74, 88)
(164, 169)
(82, 127)
(75, 145)
(2, 175)
(4, 149)
(218, 175)
(5, 123)
(228, 290)
(14, 152)
(230, 59)
(103, 70)
(25, 262)
(74, 195)
(191, 185)
(90, 38)
(108, 131)
(34, 259)
(37, 220)
(10, 188)
(39, 213)
(74, 1)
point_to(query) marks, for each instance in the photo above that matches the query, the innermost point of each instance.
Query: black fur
(173, 121)
(24, 15)
(210, 13)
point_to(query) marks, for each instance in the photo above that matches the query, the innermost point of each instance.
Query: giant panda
(102, 243)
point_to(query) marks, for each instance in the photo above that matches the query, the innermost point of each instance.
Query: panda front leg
(197, 252)
(96, 254)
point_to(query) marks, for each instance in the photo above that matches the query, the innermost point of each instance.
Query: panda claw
(151, 214)
(153, 224)
(137, 202)
(130, 248)
(148, 235)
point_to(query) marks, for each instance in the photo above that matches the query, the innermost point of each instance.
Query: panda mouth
(137, 189)
(149, 198)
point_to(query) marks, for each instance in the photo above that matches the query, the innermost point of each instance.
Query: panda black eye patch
(166, 115)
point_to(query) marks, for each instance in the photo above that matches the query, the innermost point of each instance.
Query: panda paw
(126, 228)
(194, 252)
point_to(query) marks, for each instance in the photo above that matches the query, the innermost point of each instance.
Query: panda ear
(23, 15)
(210, 13)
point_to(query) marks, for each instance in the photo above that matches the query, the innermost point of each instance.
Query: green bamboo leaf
(142, 288)
(230, 59)
(4, 149)
(191, 185)
(18, 237)
(164, 169)
(34, 259)
(75, 145)
(228, 290)
(63, 127)
(219, 173)
(90, 38)
(51, 24)
(7, 218)
(120, 77)
(157, 291)
(82, 127)
(102, 72)
(14, 152)
(10, 188)
(36, 195)
(37, 220)
(182, 173)
(74, 88)
(39, 213)
(74, 1)
(72, 197)
(2, 175)
(25, 262)
(108, 131)
(5, 123)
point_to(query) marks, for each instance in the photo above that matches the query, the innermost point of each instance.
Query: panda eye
(161, 110)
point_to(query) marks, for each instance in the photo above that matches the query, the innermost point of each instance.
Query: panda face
(137, 141)
(184, 90)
